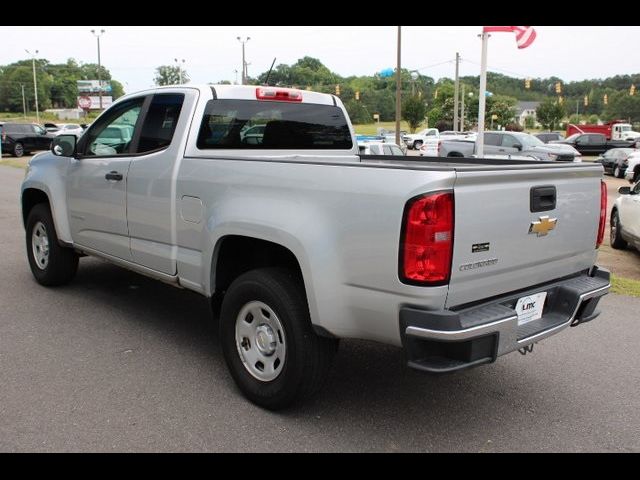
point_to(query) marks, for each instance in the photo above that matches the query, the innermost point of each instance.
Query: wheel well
(237, 254)
(30, 198)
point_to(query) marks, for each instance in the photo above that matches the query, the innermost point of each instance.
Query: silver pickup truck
(505, 143)
(299, 241)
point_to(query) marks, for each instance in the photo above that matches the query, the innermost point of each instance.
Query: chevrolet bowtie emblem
(543, 226)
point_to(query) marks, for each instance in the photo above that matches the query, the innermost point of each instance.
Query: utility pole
(462, 109)
(35, 81)
(244, 63)
(398, 87)
(24, 104)
(97, 35)
(455, 95)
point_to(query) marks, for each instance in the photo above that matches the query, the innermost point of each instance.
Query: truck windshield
(625, 128)
(251, 124)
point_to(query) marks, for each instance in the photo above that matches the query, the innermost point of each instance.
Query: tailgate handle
(543, 198)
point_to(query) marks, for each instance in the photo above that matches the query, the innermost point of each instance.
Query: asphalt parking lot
(118, 362)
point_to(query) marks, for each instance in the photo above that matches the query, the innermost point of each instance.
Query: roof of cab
(244, 92)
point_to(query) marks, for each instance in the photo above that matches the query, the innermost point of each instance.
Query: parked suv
(21, 138)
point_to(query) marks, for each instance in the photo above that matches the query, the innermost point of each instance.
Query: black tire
(18, 149)
(308, 356)
(62, 263)
(615, 236)
(417, 144)
(617, 172)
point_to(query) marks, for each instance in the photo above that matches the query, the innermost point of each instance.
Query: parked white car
(625, 218)
(69, 129)
(632, 173)
(379, 148)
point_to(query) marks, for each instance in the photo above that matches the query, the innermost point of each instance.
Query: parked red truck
(614, 130)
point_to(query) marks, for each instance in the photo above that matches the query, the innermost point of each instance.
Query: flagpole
(483, 95)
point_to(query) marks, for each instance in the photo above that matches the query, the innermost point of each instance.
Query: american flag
(524, 35)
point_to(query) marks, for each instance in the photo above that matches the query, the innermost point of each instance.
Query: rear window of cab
(273, 125)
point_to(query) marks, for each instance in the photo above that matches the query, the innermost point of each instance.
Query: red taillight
(438, 150)
(278, 94)
(603, 213)
(427, 240)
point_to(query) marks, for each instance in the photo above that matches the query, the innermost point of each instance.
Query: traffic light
(606, 99)
(357, 94)
(632, 90)
(558, 87)
(586, 100)
(337, 89)
(527, 83)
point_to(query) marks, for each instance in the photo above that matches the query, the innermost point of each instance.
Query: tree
(622, 105)
(549, 113)
(414, 112)
(170, 75)
(502, 107)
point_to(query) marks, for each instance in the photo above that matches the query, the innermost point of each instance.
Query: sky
(211, 54)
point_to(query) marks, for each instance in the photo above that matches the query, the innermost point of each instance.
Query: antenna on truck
(266, 81)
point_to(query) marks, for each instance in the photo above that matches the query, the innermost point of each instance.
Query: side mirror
(64, 146)
(517, 146)
(624, 190)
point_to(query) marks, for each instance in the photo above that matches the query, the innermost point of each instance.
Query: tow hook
(527, 349)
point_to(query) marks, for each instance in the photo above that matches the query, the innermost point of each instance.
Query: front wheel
(615, 238)
(51, 264)
(417, 144)
(269, 345)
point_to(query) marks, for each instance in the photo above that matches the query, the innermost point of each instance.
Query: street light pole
(244, 63)
(24, 105)
(462, 109)
(98, 35)
(398, 86)
(455, 94)
(35, 82)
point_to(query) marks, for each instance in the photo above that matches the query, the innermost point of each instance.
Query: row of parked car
(23, 138)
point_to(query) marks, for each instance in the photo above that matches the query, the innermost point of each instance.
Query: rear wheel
(617, 172)
(51, 264)
(18, 150)
(272, 352)
(615, 236)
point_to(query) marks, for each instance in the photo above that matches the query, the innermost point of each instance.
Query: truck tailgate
(495, 250)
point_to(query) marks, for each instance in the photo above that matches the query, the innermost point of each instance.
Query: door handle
(113, 176)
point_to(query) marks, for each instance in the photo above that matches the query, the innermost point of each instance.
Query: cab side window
(160, 122)
(113, 133)
(492, 139)
(509, 141)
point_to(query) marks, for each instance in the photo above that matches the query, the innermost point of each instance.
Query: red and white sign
(84, 103)
(93, 103)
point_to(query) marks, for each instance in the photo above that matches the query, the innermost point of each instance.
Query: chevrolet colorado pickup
(299, 241)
